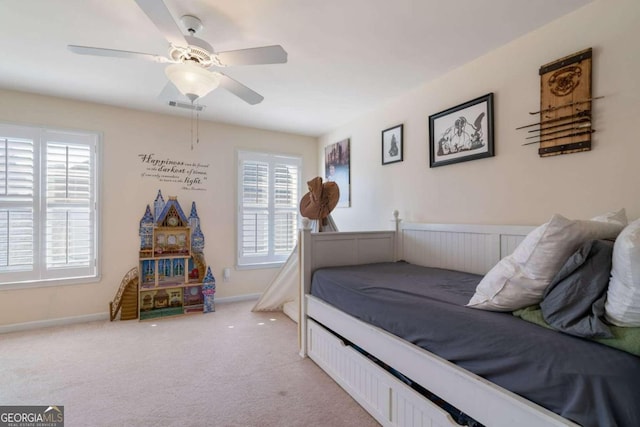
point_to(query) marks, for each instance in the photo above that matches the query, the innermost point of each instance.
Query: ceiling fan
(194, 67)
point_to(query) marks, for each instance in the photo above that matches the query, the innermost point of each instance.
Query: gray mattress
(586, 382)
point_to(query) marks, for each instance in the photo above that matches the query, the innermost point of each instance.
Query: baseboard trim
(238, 298)
(17, 327)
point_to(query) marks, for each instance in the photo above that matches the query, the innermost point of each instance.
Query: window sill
(49, 283)
(260, 266)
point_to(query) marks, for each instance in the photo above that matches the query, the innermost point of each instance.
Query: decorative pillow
(623, 297)
(574, 301)
(520, 279)
(620, 217)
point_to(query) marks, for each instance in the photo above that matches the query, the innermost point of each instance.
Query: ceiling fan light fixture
(192, 80)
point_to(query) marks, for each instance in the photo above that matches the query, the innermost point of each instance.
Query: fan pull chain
(191, 139)
(197, 127)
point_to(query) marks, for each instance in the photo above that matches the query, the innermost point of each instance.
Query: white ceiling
(345, 56)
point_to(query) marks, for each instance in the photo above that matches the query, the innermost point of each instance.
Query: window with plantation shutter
(48, 206)
(268, 194)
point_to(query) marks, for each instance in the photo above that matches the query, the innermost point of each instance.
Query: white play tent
(282, 293)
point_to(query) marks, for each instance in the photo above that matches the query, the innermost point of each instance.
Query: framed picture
(462, 133)
(336, 168)
(392, 145)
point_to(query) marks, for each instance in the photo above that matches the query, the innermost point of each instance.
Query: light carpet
(228, 368)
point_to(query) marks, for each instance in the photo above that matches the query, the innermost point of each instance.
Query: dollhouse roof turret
(146, 221)
(172, 208)
(158, 205)
(146, 229)
(208, 291)
(197, 239)
(209, 283)
(194, 220)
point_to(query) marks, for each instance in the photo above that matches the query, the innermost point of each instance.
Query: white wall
(516, 186)
(125, 194)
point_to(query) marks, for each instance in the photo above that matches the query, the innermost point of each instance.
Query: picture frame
(392, 145)
(337, 165)
(462, 133)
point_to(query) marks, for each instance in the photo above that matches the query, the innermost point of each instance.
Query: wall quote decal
(191, 175)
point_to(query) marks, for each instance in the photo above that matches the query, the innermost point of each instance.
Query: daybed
(390, 376)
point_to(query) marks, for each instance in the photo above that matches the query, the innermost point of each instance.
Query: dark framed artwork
(337, 169)
(392, 145)
(462, 133)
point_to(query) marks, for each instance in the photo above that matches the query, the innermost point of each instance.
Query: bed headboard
(464, 247)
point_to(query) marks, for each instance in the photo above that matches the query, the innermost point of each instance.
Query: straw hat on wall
(320, 200)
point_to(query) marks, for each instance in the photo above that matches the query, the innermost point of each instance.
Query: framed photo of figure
(462, 133)
(392, 145)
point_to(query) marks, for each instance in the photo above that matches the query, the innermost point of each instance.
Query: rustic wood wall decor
(565, 114)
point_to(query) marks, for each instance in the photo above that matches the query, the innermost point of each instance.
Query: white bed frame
(470, 248)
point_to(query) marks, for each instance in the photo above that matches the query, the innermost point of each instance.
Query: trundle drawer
(390, 401)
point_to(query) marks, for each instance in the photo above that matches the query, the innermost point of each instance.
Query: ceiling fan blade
(158, 13)
(240, 90)
(98, 51)
(258, 55)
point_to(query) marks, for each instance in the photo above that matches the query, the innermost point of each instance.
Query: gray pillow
(574, 301)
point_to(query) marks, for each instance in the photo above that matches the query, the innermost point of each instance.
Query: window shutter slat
(16, 169)
(255, 233)
(255, 184)
(286, 185)
(16, 239)
(285, 232)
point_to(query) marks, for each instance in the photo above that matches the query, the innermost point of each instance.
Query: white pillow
(623, 296)
(620, 217)
(520, 279)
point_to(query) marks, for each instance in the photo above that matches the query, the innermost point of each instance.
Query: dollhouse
(172, 266)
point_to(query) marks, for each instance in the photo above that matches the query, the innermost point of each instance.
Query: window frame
(56, 276)
(270, 260)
